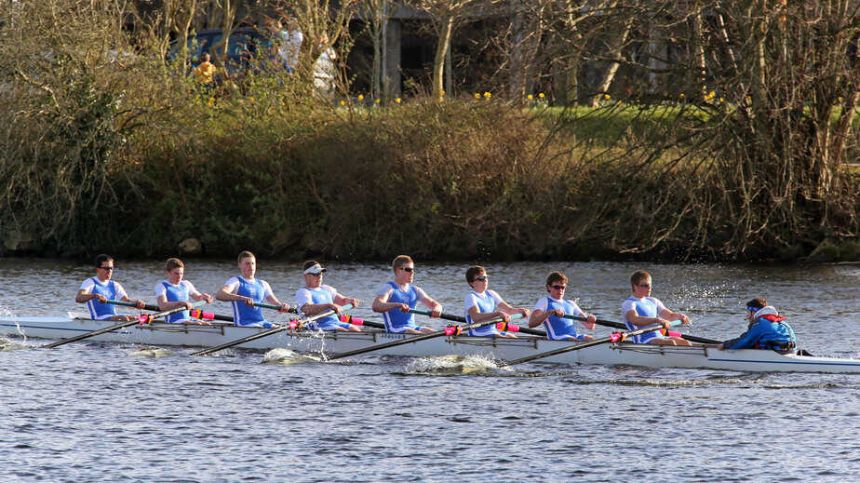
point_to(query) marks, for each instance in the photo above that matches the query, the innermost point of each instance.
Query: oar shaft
(443, 315)
(619, 325)
(418, 338)
(117, 327)
(154, 308)
(575, 347)
(265, 333)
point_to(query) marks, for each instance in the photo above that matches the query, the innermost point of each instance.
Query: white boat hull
(160, 334)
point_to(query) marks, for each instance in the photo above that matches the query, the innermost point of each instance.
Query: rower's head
(754, 306)
(477, 278)
(640, 283)
(404, 268)
(104, 267)
(313, 271)
(175, 270)
(556, 284)
(247, 264)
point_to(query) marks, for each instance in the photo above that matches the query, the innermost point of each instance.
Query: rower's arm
(226, 295)
(83, 296)
(477, 316)
(672, 315)
(640, 321)
(381, 304)
(511, 310)
(343, 300)
(434, 306)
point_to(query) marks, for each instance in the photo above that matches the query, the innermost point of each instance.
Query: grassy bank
(134, 159)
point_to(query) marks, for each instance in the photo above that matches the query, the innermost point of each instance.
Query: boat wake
(150, 351)
(287, 357)
(453, 365)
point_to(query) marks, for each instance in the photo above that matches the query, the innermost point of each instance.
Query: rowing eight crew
(395, 300)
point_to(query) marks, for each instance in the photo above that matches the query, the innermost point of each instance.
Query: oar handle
(292, 310)
(443, 315)
(148, 318)
(454, 330)
(612, 339)
(619, 325)
(350, 319)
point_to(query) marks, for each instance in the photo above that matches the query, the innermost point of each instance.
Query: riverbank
(461, 180)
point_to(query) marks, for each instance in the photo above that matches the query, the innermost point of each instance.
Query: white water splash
(7, 345)
(287, 357)
(154, 352)
(472, 364)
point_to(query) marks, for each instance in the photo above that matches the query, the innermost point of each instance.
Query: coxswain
(767, 330)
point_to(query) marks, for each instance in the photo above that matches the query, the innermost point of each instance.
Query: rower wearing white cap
(395, 298)
(244, 291)
(315, 298)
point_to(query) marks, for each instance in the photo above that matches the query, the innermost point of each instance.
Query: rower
(641, 309)
(315, 298)
(175, 292)
(96, 291)
(244, 291)
(395, 298)
(483, 304)
(767, 330)
(550, 310)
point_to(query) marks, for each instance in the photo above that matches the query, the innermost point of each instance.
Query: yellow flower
(360, 98)
(488, 95)
(606, 97)
(210, 102)
(377, 101)
(342, 103)
(478, 96)
(682, 95)
(397, 100)
(722, 101)
(541, 95)
(530, 97)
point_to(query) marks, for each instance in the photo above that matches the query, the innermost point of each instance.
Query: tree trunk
(446, 29)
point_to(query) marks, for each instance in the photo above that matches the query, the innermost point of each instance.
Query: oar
(292, 310)
(614, 339)
(502, 326)
(448, 331)
(197, 314)
(142, 319)
(619, 325)
(266, 333)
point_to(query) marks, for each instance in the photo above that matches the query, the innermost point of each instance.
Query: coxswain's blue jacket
(768, 330)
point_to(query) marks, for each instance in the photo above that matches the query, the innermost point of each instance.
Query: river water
(113, 412)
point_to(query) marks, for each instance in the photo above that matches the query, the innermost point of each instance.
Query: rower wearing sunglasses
(641, 310)
(394, 299)
(550, 311)
(483, 304)
(96, 291)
